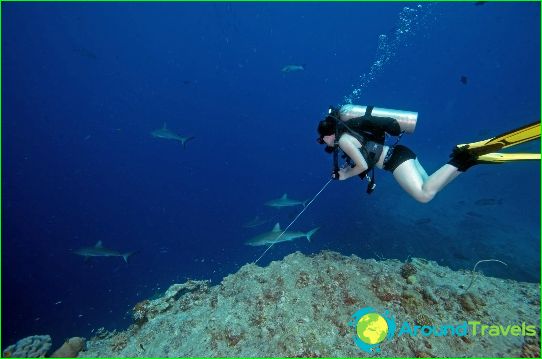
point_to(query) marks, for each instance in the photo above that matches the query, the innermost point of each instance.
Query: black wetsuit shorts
(400, 154)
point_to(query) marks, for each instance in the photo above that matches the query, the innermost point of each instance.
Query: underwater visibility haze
(146, 144)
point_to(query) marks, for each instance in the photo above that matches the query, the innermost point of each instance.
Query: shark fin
(98, 244)
(276, 228)
(126, 255)
(311, 232)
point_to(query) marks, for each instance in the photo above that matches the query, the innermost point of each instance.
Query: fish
(271, 236)
(459, 255)
(422, 221)
(100, 251)
(488, 202)
(293, 68)
(257, 221)
(464, 79)
(166, 134)
(474, 214)
(85, 53)
(284, 201)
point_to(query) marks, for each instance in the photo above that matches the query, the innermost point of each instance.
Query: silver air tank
(406, 119)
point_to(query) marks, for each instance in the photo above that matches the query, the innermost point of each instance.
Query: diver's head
(327, 130)
(327, 126)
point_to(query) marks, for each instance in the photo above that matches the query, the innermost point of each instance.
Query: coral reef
(35, 346)
(300, 307)
(148, 309)
(531, 347)
(70, 348)
(407, 270)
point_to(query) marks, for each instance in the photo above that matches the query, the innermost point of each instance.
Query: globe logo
(372, 329)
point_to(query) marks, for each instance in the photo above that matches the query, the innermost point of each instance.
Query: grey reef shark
(293, 68)
(272, 236)
(257, 221)
(100, 251)
(166, 134)
(284, 201)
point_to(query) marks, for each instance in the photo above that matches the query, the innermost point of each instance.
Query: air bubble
(409, 21)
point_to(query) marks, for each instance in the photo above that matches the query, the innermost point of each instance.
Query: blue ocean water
(85, 84)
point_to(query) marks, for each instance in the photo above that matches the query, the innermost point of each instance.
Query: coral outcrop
(35, 346)
(70, 348)
(301, 306)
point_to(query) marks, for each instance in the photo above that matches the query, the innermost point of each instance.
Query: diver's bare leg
(421, 169)
(412, 180)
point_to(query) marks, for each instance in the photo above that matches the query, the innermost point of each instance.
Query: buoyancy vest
(369, 125)
(370, 130)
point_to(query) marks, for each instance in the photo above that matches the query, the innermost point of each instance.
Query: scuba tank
(387, 118)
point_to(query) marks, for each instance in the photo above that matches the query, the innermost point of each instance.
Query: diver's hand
(340, 174)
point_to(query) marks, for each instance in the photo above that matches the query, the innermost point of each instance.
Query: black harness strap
(336, 159)
(371, 151)
(369, 111)
(392, 148)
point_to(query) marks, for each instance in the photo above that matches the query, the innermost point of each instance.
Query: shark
(284, 201)
(293, 68)
(167, 134)
(257, 221)
(100, 251)
(271, 237)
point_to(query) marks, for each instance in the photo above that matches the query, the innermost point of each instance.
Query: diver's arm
(351, 151)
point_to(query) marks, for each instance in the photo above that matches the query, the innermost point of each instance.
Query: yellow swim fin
(508, 139)
(467, 155)
(508, 157)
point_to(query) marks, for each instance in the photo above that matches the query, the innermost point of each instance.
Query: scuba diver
(360, 131)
